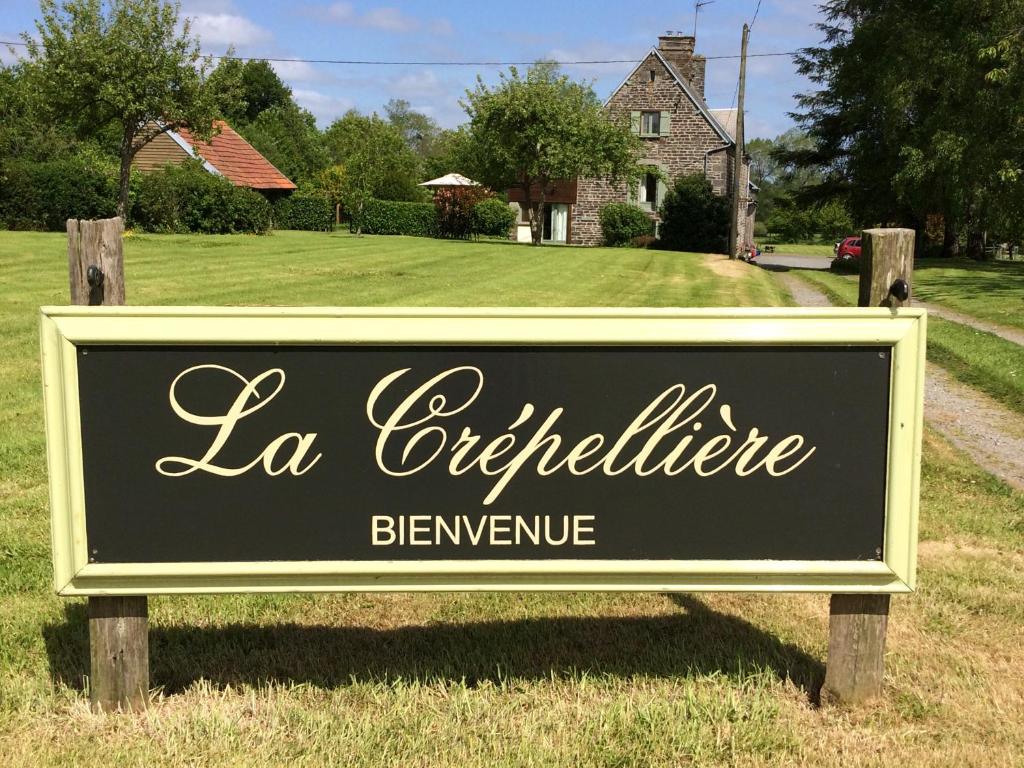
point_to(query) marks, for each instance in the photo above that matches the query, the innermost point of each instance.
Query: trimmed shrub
(621, 222)
(187, 198)
(694, 218)
(308, 212)
(44, 196)
(493, 218)
(390, 217)
(454, 208)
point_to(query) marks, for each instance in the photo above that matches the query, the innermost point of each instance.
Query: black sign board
(413, 453)
(201, 460)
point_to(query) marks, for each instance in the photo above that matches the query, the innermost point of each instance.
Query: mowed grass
(977, 358)
(490, 679)
(805, 249)
(990, 290)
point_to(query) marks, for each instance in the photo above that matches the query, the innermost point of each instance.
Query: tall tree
(130, 63)
(419, 131)
(906, 121)
(376, 159)
(529, 132)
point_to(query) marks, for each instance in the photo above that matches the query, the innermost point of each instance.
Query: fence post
(118, 625)
(858, 623)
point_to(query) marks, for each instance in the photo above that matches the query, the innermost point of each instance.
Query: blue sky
(460, 30)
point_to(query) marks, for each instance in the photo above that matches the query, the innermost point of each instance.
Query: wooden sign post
(118, 625)
(858, 623)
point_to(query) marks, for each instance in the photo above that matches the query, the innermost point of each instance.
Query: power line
(757, 10)
(386, 63)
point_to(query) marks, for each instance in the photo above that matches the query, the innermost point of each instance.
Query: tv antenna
(697, 5)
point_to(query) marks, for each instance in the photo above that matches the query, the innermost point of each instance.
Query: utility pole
(738, 192)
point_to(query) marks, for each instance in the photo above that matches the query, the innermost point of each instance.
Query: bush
(45, 195)
(644, 241)
(493, 218)
(454, 209)
(694, 218)
(301, 210)
(187, 198)
(622, 222)
(388, 217)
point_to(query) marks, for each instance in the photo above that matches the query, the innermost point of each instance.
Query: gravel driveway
(989, 432)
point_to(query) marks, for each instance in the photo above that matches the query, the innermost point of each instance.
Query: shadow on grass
(696, 641)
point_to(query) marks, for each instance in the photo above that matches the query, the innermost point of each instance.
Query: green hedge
(187, 198)
(389, 217)
(308, 212)
(44, 196)
(493, 218)
(622, 223)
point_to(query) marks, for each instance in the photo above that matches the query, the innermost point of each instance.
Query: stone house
(663, 100)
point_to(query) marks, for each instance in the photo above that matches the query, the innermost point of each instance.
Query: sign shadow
(695, 641)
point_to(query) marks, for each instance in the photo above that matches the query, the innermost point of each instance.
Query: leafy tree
(528, 132)
(918, 111)
(451, 152)
(693, 217)
(288, 137)
(127, 63)
(376, 160)
(419, 131)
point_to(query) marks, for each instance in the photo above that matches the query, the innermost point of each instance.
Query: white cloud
(300, 72)
(228, 29)
(325, 107)
(385, 19)
(421, 84)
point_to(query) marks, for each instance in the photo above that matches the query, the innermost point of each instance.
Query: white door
(559, 222)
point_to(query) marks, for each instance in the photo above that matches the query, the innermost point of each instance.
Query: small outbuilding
(227, 154)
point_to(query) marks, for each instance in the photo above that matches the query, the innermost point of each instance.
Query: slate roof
(235, 159)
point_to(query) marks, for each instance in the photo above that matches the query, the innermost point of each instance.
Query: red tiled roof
(237, 160)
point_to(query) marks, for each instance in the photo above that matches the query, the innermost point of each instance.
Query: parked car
(849, 248)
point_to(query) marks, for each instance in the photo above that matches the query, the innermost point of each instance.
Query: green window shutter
(666, 123)
(634, 122)
(662, 191)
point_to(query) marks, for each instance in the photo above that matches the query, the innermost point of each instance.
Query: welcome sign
(212, 450)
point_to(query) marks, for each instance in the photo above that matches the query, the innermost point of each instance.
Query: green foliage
(393, 217)
(528, 132)
(693, 217)
(187, 198)
(45, 195)
(621, 223)
(288, 137)
(377, 161)
(919, 111)
(123, 63)
(493, 218)
(792, 222)
(312, 212)
(454, 208)
(419, 131)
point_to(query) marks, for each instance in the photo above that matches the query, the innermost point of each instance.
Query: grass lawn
(990, 290)
(982, 360)
(489, 679)
(803, 249)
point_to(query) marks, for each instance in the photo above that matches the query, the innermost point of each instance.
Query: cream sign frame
(64, 329)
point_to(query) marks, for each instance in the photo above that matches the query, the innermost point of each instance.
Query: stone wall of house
(679, 153)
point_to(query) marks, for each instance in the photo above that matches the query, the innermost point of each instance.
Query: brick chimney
(678, 50)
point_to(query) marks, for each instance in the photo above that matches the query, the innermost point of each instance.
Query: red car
(849, 248)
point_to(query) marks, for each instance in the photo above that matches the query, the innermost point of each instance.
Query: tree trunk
(124, 180)
(975, 245)
(537, 227)
(950, 238)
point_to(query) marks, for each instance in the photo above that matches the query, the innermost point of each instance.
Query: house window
(652, 75)
(649, 191)
(650, 123)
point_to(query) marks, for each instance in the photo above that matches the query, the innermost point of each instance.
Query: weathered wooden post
(118, 625)
(858, 623)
